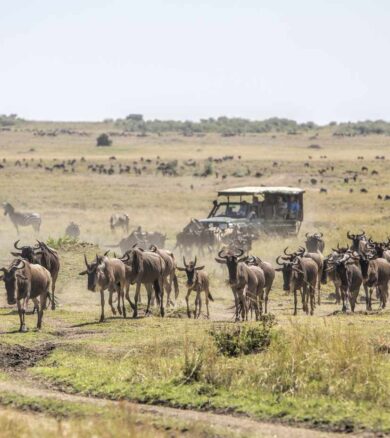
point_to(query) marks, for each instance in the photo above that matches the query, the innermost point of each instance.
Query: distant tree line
(223, 125)
(229, 126)
(8, 120)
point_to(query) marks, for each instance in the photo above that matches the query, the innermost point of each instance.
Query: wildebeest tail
(157, 290)
(176, 286)
(210, 297)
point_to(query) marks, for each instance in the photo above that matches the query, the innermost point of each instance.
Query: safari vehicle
(269, 209)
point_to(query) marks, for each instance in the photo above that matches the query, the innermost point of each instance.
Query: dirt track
(241, 426)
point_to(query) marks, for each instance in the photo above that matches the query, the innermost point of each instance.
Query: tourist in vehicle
(281, 207)
(293, 208)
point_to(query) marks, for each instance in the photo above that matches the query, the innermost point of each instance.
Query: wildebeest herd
(365, 262)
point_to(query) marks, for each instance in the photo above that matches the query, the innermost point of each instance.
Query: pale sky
(318, 60)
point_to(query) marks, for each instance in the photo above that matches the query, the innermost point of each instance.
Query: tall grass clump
(328, 360)
(235, 340)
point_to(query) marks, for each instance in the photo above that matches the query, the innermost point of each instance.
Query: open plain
(321, 375)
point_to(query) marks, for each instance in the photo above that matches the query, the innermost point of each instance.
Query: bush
(236, 340)
(103, 140)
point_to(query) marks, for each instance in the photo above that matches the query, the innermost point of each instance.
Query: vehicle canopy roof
(252, 190)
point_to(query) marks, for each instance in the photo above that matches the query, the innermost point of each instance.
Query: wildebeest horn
(16, 245)
(285, 251)
(23, 265)
(184, 262)
(153, 248)
(86, 262)
(361, 234)
(349, 235)
(106, 253)
(307, 235)
(5, 270)
(277, 261)
(220, 254)
(240, 253)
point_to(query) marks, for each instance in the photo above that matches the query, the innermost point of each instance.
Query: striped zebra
(22, 219)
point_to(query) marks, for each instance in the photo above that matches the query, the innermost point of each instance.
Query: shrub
(103, 140)
(236, 340)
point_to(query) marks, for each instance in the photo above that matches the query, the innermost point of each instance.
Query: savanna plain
(319, 375)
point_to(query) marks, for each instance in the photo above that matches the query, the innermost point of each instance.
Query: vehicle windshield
(232, 210)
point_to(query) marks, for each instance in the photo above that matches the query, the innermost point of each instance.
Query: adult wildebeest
(378, 275)
(119, 221)
(245, 281)
(104, 273)
(24, 280)
(359, 242)
(315, 242)
(147, 268)
(269, 276)
(351, 278)
(300, 274)
(44, 256)
(169, 275)
(20, 219)
(72, 230)
(198, 281)
(319, 260)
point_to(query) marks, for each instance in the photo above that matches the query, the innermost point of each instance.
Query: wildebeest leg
(110, 292)
(187, 302)
(368, 300)
(102, 304)
(161, 286)
(236, 304)
(312, 290)
(136, 299)
(207, 292)
(128, 296)
(198, 304)
(305, 298)
(319, 287)
(261, 300)
(266, 300)
(121, 300)
(296, 302)
(383, 294)
(22, 305)
(53, 288)
(337, 293)
(244, 306)
(168, 289)
(149, 290)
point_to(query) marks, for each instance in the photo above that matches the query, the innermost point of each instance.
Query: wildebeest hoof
(101, 319)
(23, 329)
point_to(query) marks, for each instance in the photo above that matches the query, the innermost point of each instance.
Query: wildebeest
(378, 275)
(72, 230)
(359, 242)
(147, 268)
(20, 219)
(244, 281)
(315, 242)
(350, 276)
(318, 259)
(44, 256)
(269, 276)
(104, 273)
(169, 275)
(119, 221)
(143, 239)
(300, 274)
(198, 281)
(24, 280)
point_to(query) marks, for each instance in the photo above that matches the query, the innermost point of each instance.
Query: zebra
(119, 221)
(22, 219)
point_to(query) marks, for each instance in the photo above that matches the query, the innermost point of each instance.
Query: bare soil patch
(18, 356)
